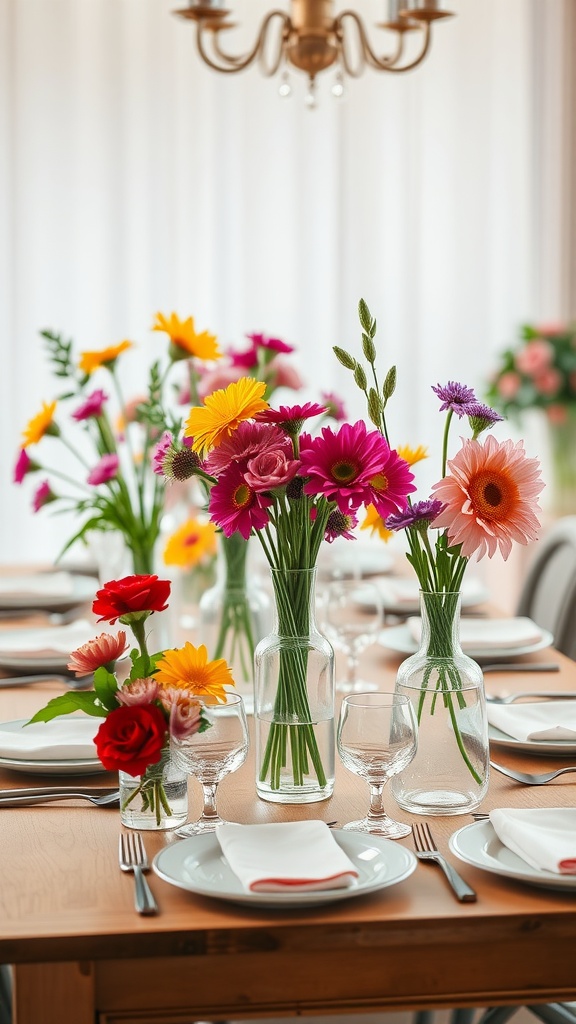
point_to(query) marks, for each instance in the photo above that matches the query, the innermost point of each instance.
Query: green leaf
(106, 686)
(389, 385)
(343, 357)
(365, 316)
(67, 703)
(360, 377)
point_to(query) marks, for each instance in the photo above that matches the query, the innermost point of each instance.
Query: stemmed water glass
(352, 618)
(377, 738)
(211, 754)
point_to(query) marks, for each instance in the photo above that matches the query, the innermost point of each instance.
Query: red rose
(131, 738)
(131, 594)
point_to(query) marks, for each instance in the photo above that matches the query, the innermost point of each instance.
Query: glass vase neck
(295, 601)
(440, 617)
(231, 563)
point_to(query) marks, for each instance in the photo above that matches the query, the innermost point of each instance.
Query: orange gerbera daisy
(187, 668)
(90, 361)
(189, 543)
(42, 423)
(222, 411)
(185, 341)
(490, 497)
(375, 523)
(412, 455)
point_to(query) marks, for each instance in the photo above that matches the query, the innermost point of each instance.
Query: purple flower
(91, 407)
(482, 417)
(43, 496)
(104, 470)
(455, 397)
(420, 515)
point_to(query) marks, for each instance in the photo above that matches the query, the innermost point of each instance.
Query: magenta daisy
(355, 466)
(24, 465)
(91, 407)
(104, 470)
(455, 397)
(234, 506)
(291, 418)
(43, 495)
(247, 442)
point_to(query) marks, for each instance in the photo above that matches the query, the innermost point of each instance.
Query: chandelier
(312, 37)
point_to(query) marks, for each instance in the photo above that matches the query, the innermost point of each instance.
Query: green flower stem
(68, 444)
(236, 620)
(445, 441)
(68, 479)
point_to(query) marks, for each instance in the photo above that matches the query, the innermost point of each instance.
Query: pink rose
(548, 383)
(509, 385)
(185, 715)
(270, 469)
(557, 414)
(139, 691)
(535, 358)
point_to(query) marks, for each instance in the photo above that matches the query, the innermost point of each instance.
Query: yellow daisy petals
(187, 668)
(222, 411)
(188, 544)
(375, 524)
(39, 424)
(412, 455)
(183, 335)
(93, 360)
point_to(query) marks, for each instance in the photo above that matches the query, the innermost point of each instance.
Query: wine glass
(377, 738)
(211, 754)
(352, 619)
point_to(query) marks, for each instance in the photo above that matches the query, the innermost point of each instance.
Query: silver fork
(132, 857)
(426, 849)
(17, 798)
(528, 778)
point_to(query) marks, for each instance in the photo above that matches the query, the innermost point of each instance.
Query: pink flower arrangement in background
(539, 372)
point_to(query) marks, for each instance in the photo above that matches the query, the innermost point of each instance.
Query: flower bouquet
(113, 487)
(163, 694)
(293, 491)
(485, 500)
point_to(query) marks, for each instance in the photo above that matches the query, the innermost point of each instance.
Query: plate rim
(287, 900)
(538, 877)
(480, 655)
(52, 602)
(559, 747)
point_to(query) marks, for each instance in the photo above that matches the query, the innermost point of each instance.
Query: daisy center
(241, 496)
(379, 482)
(493, 495)
(344, 472)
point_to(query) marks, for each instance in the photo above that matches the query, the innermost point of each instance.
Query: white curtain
(133, 179)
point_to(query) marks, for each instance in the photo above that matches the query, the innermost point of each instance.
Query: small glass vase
(234, 615)
(563, 456)
(449, 774)
(158, 799)
(294, 698)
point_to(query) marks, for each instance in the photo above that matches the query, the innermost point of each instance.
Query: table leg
(53, 993)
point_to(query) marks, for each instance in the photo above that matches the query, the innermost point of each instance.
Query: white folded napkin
(544, 837)
(56, 584)
(295, 856)
(476, 634)
(48, 641)
(69, 738)
(542, 720)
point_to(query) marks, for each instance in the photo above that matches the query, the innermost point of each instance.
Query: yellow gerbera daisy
(90, 361)
(187, 668)
(42, 423)
(222, 411)
(412, 455)
(189, 543)
(375, 523)
(185, 341)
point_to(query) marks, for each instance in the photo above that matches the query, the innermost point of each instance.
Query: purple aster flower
(91, 407)
(43, 496)
(482, 417)
(420, 515)
(340, 524)
(104, 470)
(455, 397)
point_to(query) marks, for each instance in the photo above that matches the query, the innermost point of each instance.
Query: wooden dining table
(81, 954)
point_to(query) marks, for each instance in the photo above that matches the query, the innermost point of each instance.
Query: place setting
(482, 639)
(51, 592)
(541, 727)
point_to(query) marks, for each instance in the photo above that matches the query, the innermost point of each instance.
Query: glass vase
(294, 698)
(234, 615)
(449, 774)
(158, 799)
(563, 455)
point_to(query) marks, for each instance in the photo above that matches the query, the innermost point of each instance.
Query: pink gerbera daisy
(234, 506)
(104, 470)
(247, 442)
(291, 418)
(490, 497)
(354, 466)
(273, 344)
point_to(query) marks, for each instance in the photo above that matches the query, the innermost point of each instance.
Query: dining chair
(548, 594)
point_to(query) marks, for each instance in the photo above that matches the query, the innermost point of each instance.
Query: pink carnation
(104, 470)
(23, 466)
(509, 385)
(557, 414)
(139, 691)
(43, 496)
(91, 407)
(548, 383)
(535, 357)
(248, 441)
(185, 714)
(283, 375)
(103, 650)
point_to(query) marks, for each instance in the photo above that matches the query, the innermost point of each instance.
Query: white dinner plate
(473, 593)
(91, 766)
(399, 638)
(559, 747)
(478, 844)
(30, 660)
(351, 561)
(82, 590)
(198, 865)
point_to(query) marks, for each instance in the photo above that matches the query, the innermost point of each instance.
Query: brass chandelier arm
(370, 57)
(231, 64)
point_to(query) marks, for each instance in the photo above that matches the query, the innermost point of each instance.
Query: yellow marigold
(185, 340)
(40, 424)
(222, 411)
(189, 543)
(187, 668)
(412, 455)
(90, 361)
(375, 523)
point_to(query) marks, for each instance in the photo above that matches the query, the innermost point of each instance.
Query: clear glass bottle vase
(449, 774)
(294, 698)
(235, 614)
(158, 799)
